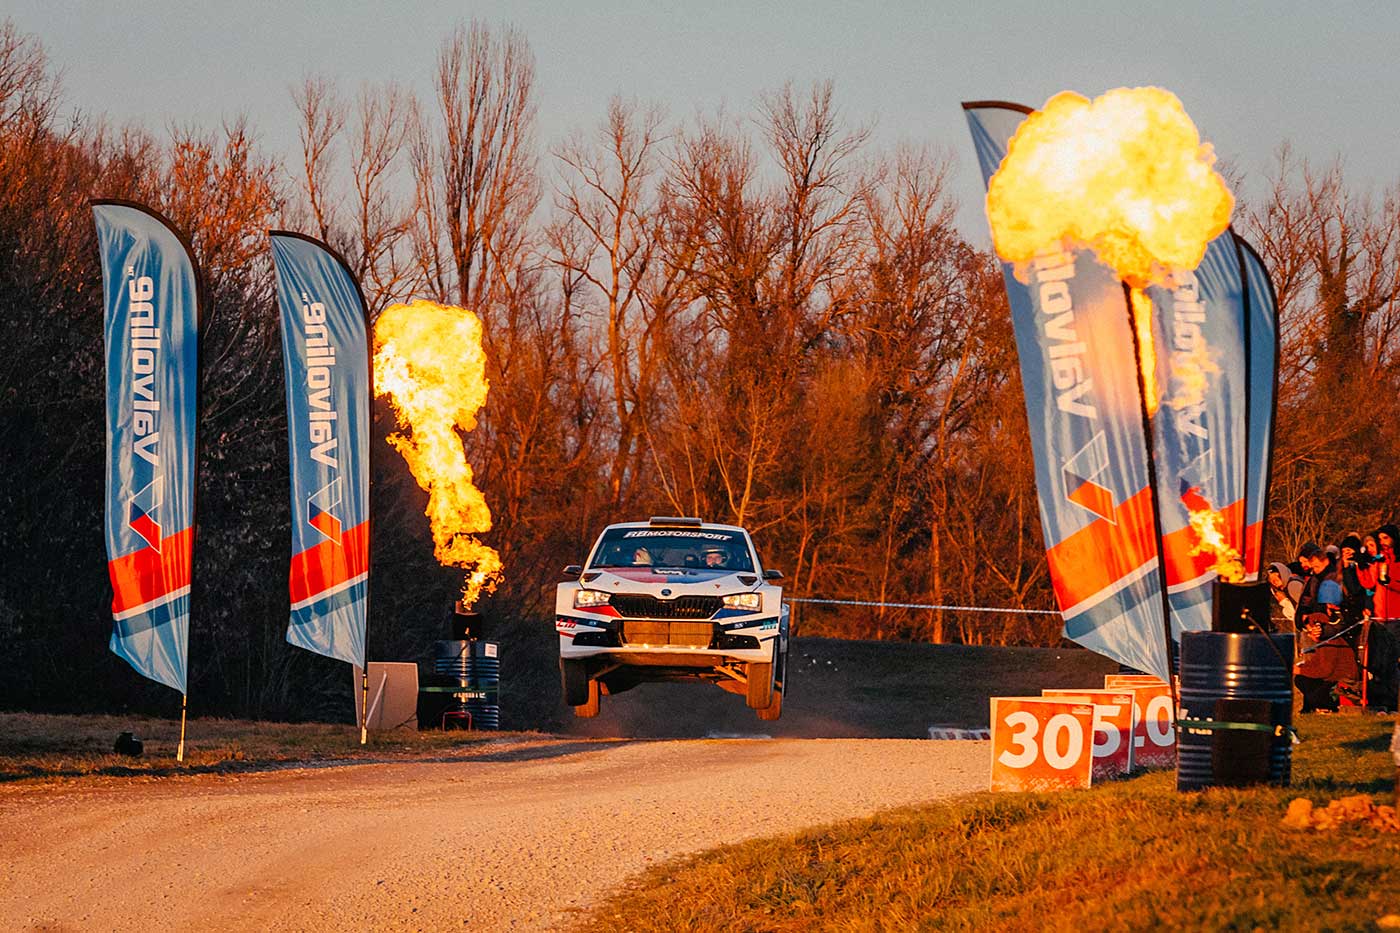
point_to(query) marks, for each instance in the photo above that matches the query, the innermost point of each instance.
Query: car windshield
(698, 549)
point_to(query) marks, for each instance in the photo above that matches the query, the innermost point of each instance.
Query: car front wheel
(760, 675)
(574, 675)
(589, 707)
(774, 709)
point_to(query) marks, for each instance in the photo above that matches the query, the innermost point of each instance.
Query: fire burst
(1208, 526)
(429, 361)
(1127, 176)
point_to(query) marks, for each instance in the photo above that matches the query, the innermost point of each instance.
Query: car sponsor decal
(668, 533)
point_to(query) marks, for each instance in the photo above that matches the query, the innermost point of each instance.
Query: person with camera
(1379, 646)
(1383, 573)
(1353, 576)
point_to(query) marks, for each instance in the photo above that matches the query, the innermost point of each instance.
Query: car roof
(703, 525)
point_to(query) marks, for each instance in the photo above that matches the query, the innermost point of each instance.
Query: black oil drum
(464, 688)
(1241, 678)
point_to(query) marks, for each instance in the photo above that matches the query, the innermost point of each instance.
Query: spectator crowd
(1343, 601)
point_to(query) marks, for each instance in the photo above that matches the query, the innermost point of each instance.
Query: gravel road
(518, 836)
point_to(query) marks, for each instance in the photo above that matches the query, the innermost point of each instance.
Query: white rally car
(672, 599)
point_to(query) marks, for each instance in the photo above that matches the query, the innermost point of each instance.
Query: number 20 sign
(1041, 744)
(1154, 736)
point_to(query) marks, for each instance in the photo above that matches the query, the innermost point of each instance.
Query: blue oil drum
(1240, 678)
(469, 674)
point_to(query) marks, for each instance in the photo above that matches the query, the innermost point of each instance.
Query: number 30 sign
(1041, 743)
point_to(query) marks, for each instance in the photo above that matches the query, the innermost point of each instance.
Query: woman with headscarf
(1286, 589)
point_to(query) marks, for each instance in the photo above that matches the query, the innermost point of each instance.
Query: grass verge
(1131, 855)
(40, 747)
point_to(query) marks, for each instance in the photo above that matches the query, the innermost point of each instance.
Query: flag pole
(1152, 485)
(180, 749)
(364, 704)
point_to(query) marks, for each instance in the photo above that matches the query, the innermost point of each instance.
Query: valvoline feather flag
(1198, 430)
(325, 352)
(1261, 326)
(1084, 407)
(150, 287)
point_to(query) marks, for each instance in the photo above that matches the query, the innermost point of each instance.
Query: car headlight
(750, 601)
(590, 599)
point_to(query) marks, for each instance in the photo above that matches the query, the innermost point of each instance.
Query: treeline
(762, 320)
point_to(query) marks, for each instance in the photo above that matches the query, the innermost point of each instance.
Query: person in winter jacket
(1356, 595)
(1386, 600)
(1331, 660)
(1316, 567)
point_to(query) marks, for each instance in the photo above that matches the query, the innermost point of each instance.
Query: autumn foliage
(763, 320)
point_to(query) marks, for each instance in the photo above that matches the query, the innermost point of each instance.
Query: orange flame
(1209, 528)
(1125, 175)
(1147, 348)
(429, 361)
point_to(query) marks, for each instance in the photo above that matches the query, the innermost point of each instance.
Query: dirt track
(519, 836)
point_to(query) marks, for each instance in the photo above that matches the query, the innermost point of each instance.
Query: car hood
(680, 580)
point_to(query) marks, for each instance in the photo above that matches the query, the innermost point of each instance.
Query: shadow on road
(532, 752)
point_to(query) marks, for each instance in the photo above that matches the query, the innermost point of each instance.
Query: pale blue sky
(1251, 74)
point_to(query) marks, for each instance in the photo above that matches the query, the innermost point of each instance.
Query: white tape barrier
(876, 603)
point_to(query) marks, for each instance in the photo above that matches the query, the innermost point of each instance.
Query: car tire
(774, 709)
(574, 675)
(589, 708)
(760, 676)
(780, 676)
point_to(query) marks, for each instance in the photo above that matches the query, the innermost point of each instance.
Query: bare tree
(356, 210)
(382, 123)
(607, 237)
(1335, 260)
(322, 116)
(475, 184)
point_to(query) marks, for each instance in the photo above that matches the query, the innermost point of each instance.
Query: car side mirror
(772, 574)
(573, 570)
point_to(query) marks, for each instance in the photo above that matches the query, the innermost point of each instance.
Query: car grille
(638, 606)
(686, 634)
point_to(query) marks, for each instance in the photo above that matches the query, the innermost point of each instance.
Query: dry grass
(37, 747)
(1134, 855)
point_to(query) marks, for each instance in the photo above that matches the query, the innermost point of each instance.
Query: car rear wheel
(760, 693)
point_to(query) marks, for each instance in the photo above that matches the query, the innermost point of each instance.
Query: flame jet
(1127, 176)
(429, 361)
(1087, 433)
